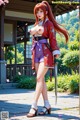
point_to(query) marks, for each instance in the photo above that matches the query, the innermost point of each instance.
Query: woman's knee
(39, 79)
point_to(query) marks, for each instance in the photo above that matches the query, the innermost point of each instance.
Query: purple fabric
(39, 57)
(38, 43)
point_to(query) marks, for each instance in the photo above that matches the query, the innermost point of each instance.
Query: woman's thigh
(36, 66)
(41, 71)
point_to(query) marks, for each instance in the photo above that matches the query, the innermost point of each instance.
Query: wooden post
(2, 61)
(26, 36)
(2, 11)
(15, 45)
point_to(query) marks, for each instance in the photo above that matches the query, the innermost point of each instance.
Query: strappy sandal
(45, 110)
(33, 112)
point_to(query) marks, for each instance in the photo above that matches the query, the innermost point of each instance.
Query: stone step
(8, 85)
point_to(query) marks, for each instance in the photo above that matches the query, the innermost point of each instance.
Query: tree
(73, 19)
(61, 19)
(9, 55)
(71, 59)
(67, 17)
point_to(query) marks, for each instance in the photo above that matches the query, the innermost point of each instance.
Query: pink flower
(6, 1)
(3, 2)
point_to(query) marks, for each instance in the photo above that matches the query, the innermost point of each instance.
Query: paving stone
(18, 101)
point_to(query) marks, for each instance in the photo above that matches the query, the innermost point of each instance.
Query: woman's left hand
(56, 56)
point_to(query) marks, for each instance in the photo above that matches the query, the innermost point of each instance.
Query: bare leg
(40, 80)
(40, 86)
(44, 90)
(45, 96)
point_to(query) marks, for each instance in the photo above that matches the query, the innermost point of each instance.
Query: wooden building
(15, 18)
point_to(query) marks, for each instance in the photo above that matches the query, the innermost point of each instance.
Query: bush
(27, 82)
(63, 52)
(62, 68)
(17, 78)
(71, 59)
(74, 84)
(66, 83)
(50, 86)
(73, 45)
(63, 82)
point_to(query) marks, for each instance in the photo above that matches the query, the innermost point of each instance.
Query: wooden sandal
(45, 110)
(33, 112)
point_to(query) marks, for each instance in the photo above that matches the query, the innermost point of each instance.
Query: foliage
(73, 45)
(63, 82)
(18, 78)
(62, 68)
(63, 52)
(9, 53)
(26, 82)
(76, 25)
(20, 48)
(66, 82)
(50, 86)
(77, 35)
(20, 57)
(74, 86)
(73, 19)
(61, 41)
(71, 59)
(71, 22)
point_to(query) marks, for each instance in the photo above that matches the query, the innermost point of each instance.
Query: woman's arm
(52, 39)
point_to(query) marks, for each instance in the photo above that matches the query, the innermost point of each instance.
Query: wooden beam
(2, 33)
(28, 6)
(29, 21)
(21, 6)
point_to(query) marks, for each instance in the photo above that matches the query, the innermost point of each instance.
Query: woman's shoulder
(48, 22)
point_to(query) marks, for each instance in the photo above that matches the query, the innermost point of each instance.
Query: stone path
(17, 102)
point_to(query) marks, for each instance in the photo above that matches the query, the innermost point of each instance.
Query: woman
(43, 52)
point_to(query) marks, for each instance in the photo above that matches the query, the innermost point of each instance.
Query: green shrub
(65, 83)
(62, 68)
(27, 82)
(63, 52)
(74, 84)
(71, 59)
(17, 78)
(50, 86)
(73, 45)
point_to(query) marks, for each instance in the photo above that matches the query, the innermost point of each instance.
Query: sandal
(45, 110)
(33, 112)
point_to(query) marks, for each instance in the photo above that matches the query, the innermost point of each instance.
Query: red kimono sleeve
(52, 39)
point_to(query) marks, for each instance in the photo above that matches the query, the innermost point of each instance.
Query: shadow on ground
(17, 110)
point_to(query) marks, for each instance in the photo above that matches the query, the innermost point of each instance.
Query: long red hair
(44, 5)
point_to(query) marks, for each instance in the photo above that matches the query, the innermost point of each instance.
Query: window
(28, 51)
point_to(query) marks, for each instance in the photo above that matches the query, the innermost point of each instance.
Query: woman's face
(40, 14)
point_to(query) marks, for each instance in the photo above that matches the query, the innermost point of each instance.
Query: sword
(55, 74)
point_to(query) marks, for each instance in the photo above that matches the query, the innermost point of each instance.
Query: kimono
(51, 48)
